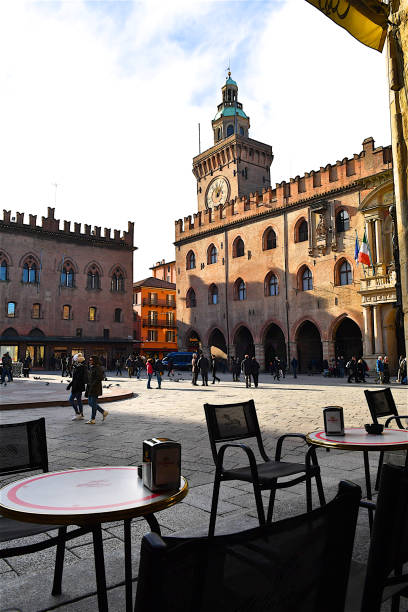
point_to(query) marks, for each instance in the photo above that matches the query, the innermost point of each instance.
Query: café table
(90, 496)
(357, 439)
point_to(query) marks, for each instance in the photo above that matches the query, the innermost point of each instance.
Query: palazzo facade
(271, 271)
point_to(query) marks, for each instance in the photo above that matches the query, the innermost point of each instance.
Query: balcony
(163, 323)
(161, 303)
(377, 288)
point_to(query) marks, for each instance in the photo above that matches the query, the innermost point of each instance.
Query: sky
(103, 99)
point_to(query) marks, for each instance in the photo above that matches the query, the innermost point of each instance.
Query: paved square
(176, 411)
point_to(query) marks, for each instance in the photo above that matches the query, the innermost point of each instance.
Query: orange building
(155, 325)
(166, 270)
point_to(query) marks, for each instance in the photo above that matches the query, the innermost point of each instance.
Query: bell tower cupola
(230, 118)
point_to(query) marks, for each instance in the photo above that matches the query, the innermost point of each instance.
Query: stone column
(293, 350)
(328, 349)
(231, 350)
(205, 349)
(368, 330)
(378, 339)
(260, 355)
(379, 241)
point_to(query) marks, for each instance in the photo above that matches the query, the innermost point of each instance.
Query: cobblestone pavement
(176, 411)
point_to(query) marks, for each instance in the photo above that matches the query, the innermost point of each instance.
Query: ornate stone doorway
(309, 348)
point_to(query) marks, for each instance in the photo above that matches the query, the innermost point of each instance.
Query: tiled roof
(156, 283)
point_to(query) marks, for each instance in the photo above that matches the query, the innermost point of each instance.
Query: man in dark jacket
(352, 370)
(246, 367)
(77, 385)
(158, 370)
(194, 369)
(94, 389)
(7, 368)
(214, 369)
(255, 370)
(204, 366)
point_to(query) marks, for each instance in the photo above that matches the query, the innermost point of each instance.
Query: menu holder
(161, 464)
(333, 420)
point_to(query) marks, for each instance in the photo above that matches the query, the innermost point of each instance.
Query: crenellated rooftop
(329, 179)
(51, 226)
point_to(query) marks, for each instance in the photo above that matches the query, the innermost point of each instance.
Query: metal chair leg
(308, 494)
(271, 504)
(259, 504)
(380, 463)
(59, 562)
(128, 563)
(368, 487)
(100, 569)
(320, 490)
(214, 505)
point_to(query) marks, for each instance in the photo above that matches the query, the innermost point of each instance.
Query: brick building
(165, 270)
(64, 290)
(271, 271)
(155, 324)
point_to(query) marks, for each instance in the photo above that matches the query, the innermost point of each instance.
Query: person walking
(386, 371)
(77, 385)
(150, 371)
(158, 370)
(352, 370)
(170, 367)
(278, 370)
(7, 364)
(118, 366)
(194, 369)
(214, 369)
(204, 366)
(255, 371)
(294, 364)
(64, 365)
(94, 389)
(379, 369)
(130, 366)
(361, 370)
(27, 365)
(246, 367)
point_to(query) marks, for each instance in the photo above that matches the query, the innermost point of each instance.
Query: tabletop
(357, 439)
(87, 495)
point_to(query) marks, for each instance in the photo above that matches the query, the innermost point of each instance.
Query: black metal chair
(384, 578)
(381, 404)
(23, 448)
(230, 422)
(298, 564)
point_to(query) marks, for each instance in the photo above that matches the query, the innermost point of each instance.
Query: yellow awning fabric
(366, 20)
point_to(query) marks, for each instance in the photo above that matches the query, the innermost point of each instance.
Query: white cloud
(108, 109)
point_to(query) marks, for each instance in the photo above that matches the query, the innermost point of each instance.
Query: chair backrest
(381, 403)
(23, 447)
(301, 563)
(229, 422)
(389, 538)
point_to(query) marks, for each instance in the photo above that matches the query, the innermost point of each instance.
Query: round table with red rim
(90, 496)
(357, 439)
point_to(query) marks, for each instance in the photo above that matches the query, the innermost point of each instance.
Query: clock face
(217, 192)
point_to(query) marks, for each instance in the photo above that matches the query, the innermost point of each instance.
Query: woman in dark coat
(77, 385)
(94, 389)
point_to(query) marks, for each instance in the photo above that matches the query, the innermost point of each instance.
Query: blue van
(181, 361)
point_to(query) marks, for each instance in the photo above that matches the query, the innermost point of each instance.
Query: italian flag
(364, 253)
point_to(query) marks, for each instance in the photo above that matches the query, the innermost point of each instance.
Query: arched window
(93, 279)
(92, 313)
(302, 232)
(213, 294)
(117, 281)
(269, 239)
(3, 270)
(191, 298)
(240, 290)
(66, 312)
(230, 130)
(190, 261)
(118, 315)
(307, 279)
(241, 131)
(212, 254)
(345, 274)
(11, 309)
(30, 272)
(67, 275)
(238, 247)
(219, 134)
(342, 221)
(271, 284)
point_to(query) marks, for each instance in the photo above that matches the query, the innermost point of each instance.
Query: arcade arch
(309, 347)
(348, 340)
(244, 343)
(274, 344)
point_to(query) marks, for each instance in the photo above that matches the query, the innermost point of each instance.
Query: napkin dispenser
(161, 464)
(333, 420)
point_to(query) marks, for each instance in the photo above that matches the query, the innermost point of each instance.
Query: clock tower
(236, 165)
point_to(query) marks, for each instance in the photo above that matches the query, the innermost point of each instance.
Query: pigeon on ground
(47, 383)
